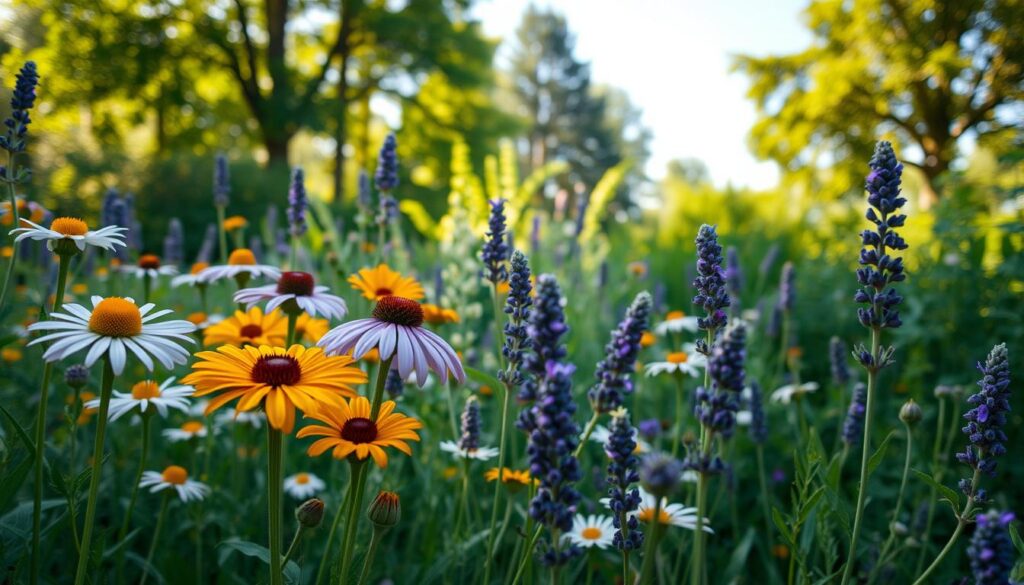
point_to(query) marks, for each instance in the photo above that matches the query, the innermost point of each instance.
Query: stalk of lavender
(787, 297)
(986, 440)
(495, 249)
(22, 100)
(516, 342)
(613, 372)
(733, 280)
(546, 328)
(716, 412)
(221, 198)
(853, 425)
(296, 212)
(469, 441)
(623, 497)
(660, 475)
(713, 298)
(364, 202)
(393, 384)
(878, 271)
(174, 243)
(991, 550)
(386, 179)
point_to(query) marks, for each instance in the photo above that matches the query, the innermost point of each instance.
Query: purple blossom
(853, 425)
(985, 421)
(297, 203)
(623, 497)
(613, 381)
(495, 250)
(991, 551)
(221, 181)
(386, 176)
(710, 284)
(517, 307)
(470, 439)
(22, 100)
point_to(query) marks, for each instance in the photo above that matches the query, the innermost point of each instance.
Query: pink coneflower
(295, 290)
(396, 330)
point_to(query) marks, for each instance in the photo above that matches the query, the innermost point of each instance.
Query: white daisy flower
(480, 453)
(601, 434)
(303, 486)
(593, 530)
(687, 362)
(670, 515)
(744, 417)
(192, 429)
(295, 289)
(231, 416)
(147, 393)
(71, 229)
(149, 266)
(176, 478)
(396, 331)
(114, 327)
(676, 323)
(785, 394)
(241, 262)
(192, 278)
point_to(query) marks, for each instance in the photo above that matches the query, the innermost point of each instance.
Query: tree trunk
(347, 13)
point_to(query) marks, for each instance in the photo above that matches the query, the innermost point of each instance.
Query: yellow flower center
(192, 426)
(302, 478)
(196, 318)
(146, 389)
(674, 315)
(677, 357)
(242, 257)
(591, 533)
(69, 226)
(646, 514)
(175, 474)
(116, 317)
(199, 267)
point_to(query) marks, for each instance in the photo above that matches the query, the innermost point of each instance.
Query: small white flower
(176, 478)
(588, 531)
(480, 453)
(73, 229)
(192, 429)
(231, 416)
(690, 476)
(114, 327)
(192, 278)
(303, 486)
(744, 417)
(671, 514)
(785, 394)
(677, 325)
(601, 434)
(241, 261)
(687, 362)
(147, 393)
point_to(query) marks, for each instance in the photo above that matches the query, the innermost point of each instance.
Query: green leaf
(738, 560)
(812, 501)
(483, 378)
(879, 455)
(780, 523)
(14, 477)
(251, 549)
(949, 494)
(1015, 537)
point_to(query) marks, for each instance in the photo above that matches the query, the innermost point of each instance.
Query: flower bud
(386, 510)
(76, 376)
(660, 474)
(310, 513)
(911, 413)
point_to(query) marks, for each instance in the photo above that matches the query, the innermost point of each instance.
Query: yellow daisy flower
(350, 431)
(310, 329)
(249, 328)
(234, 222)
(382, 281)
(436, 315)
(276, 378)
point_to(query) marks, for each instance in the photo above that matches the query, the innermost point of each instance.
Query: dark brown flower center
(149, 261)
(251, 331)
(359, 430)
(383, 292)
(276, 370)
(295, 283)
(399, 310)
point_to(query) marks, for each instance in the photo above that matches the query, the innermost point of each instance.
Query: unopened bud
(310, 513)
(911, 413)
(385, 511)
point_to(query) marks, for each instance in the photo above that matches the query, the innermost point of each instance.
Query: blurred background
(758, 118)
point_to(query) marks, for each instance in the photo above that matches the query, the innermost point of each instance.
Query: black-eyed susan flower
(436, 315)
(591, 531)
(303, 485)
(295, 291)
(70, 229)
(396, 330)
(349, 430)
(311, 329)
(377, 283)
(278, 379)
(253, 327)
(114, 327)
(149, 265)
(241, 262)
(175, 478)
(148, 393)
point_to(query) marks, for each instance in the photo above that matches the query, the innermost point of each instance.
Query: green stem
(222, 234)
(371, 552)
(933, 492)
(527, 555)
(765, 499)
(587, 431)
(962, 520)
(156, 536)
(677, 440)
(147, 287)
(293, 253)
(127, 523)
(12, 172)
(883, 556)
(502, 443)
(862, 491)
(359, 473)
(274, 487)
(697, 562)
(293, 319)
(324, 562)
(647, 567)
(106, 387)
(294, 546)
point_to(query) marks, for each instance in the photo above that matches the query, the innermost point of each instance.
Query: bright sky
(672, 57)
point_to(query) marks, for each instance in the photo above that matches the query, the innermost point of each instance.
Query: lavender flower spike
(986, 420)
(386, 176)
(717, 406)
(517, 307)
(495, 250)
(546, 328)
(837, 359)
(758, 424)
(710, 284)
(22, 100)
(297, 203)
(620, 357)
(991, 550)
(623, 496)
(470, 439)
(853, 425)
(787, 287)
(221, 181)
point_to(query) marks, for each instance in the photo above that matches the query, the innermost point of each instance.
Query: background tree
(922, 72)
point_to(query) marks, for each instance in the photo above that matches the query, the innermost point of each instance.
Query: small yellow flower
(80, 288)
(512, 479)
(382, 281)
(310, 329)
(235, 222)
(250, 328)
(450, 472)
(11, 354)
(637, 269)
(348, 430)
(7, 251)
(647, 339)
(436, 315)
(504, 287)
